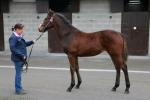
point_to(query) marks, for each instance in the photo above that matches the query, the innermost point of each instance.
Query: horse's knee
(124, 68)
(72, 68)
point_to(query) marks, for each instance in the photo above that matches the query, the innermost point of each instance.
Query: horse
(76, 44)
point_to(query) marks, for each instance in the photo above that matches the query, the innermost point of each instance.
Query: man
(18, 55)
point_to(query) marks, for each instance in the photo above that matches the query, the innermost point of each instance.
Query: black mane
(65, 23)
(64, 19)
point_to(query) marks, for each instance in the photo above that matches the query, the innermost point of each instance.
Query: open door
(135, 27)
(1, 28)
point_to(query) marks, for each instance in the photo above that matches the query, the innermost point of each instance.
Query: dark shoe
(21, 92)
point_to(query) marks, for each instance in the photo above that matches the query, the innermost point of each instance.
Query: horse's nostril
(39, 29)
(39, 26)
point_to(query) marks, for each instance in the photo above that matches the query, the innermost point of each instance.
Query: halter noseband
(50, 21)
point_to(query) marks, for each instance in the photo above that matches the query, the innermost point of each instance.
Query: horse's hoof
(113, 89)
(68, 90)
(126, 92)
(77, 87)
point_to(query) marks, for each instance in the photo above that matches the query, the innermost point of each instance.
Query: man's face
(19, 31)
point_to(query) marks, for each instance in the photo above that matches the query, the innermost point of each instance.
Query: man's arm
(28, 43)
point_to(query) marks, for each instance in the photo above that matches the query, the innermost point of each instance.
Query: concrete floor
(51, 84)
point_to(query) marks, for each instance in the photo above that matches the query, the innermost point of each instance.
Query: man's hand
(34, 41)
(24, 58)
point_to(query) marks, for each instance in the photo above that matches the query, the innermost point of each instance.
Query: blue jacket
(18, 47)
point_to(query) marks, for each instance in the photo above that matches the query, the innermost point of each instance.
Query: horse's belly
(90, 52)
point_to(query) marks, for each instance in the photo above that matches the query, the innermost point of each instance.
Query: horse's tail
(125, 51)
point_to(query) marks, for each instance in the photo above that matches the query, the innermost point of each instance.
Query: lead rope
(26, 63)
(28, 58)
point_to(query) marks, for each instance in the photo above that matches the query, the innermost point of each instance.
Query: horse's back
(86, 44)
(110, 36)
(90, 44)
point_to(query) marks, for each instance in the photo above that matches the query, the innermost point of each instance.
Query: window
(135, 5)
(64, 5)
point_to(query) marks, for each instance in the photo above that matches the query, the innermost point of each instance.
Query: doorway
(135, 27)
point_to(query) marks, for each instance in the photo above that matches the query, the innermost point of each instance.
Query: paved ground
(51, 84)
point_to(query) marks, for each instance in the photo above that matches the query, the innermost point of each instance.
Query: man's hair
(17, 26)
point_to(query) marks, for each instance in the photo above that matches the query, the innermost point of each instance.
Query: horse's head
(57, 21)
(48, 22)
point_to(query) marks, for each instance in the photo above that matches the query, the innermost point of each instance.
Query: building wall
(94, 15)
(25, 13)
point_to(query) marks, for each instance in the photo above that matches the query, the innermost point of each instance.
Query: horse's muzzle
(41, 28)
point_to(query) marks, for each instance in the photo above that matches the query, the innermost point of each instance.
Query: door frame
(2, 46)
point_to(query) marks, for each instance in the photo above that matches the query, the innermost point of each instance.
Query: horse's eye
(46, 18)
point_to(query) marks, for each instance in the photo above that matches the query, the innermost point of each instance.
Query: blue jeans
(18, 68)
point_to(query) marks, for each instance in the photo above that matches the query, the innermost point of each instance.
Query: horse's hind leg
(78, 75)
(117, 62)
(72, 61)
(125, 70)
(117, 83)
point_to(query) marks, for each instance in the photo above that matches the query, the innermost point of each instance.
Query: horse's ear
(50, 12)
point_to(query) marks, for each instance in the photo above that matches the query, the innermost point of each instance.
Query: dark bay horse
(79, 44)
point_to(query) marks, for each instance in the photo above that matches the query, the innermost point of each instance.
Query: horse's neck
(66, 30)
(65, 33)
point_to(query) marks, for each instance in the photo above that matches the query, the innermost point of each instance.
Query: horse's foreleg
(78, 75)
(72, 61)
(72, 84)
(125, 70)
(117, 83)
(79, 79)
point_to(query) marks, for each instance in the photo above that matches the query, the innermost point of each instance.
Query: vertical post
(2, 47)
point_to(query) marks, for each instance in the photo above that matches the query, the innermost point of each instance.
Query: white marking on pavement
(103, 55)
(85, 70)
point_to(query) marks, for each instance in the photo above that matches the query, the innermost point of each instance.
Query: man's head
(18, 28)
